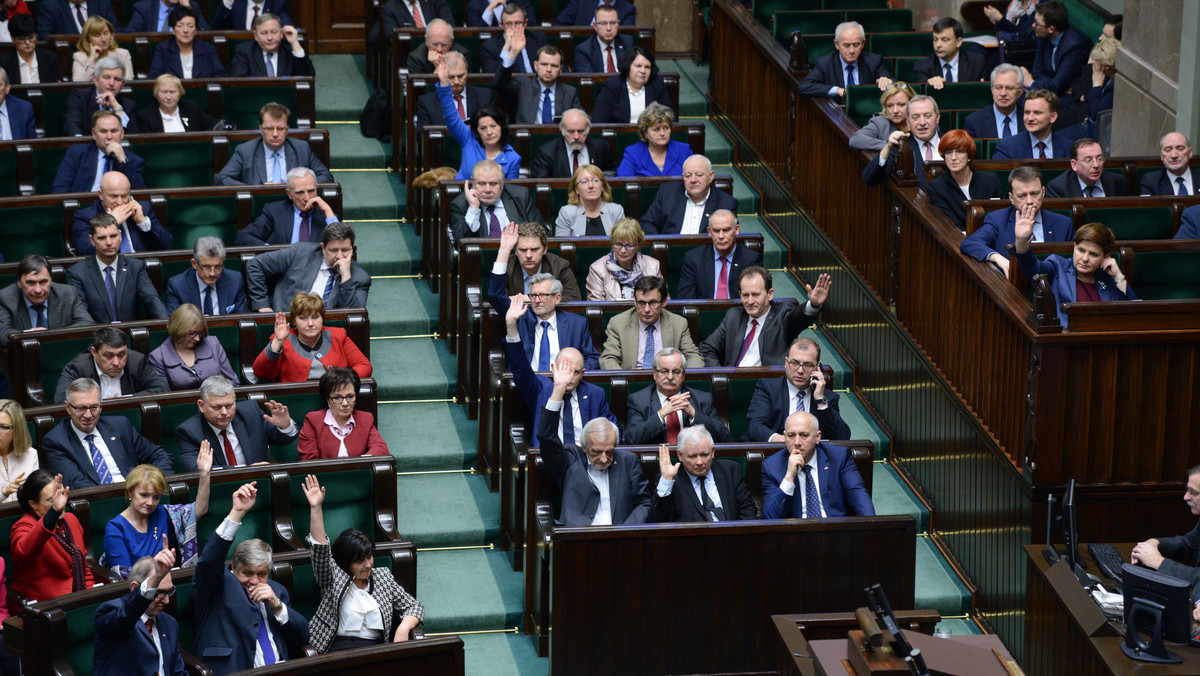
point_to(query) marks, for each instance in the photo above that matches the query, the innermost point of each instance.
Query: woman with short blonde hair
(590, 210)
(17, 457)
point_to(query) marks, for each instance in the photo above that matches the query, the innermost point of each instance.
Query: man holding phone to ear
(486, 204)
(801, 388)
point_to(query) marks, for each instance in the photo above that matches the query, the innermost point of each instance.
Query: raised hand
(471, 195)
(279, 416)
(314, 492)
(936, 82)
(292, 35)
(59, 500)
(245, 497)
(204, 458)
(563, 373)
(992, 13)
(665, 466)
(1023, 228)
(164, 560)
(281, 331)
(516, 42)
(440, 68)
(817, 295)
(508, 237)
(516, 308)
(1109, 265)
(14, 485)
(883, 83)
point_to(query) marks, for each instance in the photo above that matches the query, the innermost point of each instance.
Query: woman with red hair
(958, 183)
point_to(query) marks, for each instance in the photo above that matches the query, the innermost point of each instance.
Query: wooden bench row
(1128, 217)
(1156, 269)
(1132, 169)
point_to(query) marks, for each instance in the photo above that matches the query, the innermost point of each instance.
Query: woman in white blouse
(17, 459)
(590, 210)
(96, 42)
(173, 113)
(360, 604)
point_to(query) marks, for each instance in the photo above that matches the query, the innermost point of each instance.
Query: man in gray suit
(326, 269)
(36, 303)
(578, 473)
(636, 335)
(486, 205)
(120, 371)
(758, 332)
(112, 284)
(540, 100)
(268, 159)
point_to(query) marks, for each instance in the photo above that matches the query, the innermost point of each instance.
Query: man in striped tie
(657, 414)
(809, 479)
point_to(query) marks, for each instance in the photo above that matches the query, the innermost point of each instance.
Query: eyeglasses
(541, 296)
(807, 365)
(168, 593)
(342, 399)
(27, 38)
(900, 85)
(212, 268)
(195, 334)
(624, 245)
(589, 181)
(669, 372)
(272, 128)
(94, 408)
(607, 24)
(647, 303)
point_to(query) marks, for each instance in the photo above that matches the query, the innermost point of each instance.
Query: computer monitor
(1158, 605)
(1069, 528)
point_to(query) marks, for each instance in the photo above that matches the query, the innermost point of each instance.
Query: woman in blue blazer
(1090, 274)
(622, 99)
(657, 154)
(169, 54)
(485, 139)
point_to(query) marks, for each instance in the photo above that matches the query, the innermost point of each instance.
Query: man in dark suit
(600, 53)
(832, 486)
(112, 284)
(847, 66)
(656, 414)
(208, 285)
(40, 65)
(36, 302)
(584, 401)
(707, 490)
(519, 48)
(16, 115)
(948, 62)
(268, 159)
(265, 58)
(1087, 177)
(529, 241)
(1176, 177)
(1062, 50)
(300, 218)
(439, 39)
(85, 165)
(1189, 227)
(583, 12)
(1006, 116)
(134, 637)
(1039, 141)
(239, 15)
(990, 242)
(922, 140)
(684, 208)
(139, 226)
(150, 16)
(539, 100)
(243, 619)
(712, 270)
(327, 269)
(467, 98)
(238, 431)
(66, 17)
(120, 371)
(758, 332)
(1177, 556)
(543, 330)
(395, 14)
(105, 94)
(579, 468)
(90, 450)
(481, 13)
(802, 388)
(486, 204)
(560, 160)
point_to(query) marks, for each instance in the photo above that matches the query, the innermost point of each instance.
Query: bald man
(140, 228)
(809, 479)
(684, 208)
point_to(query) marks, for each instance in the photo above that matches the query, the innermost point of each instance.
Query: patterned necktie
(648, 353)
(210, 308)
(98, 460)
(325, 295)
(305, 226)
(493, 222)
(1089, 191)
(610, 65)
(928, 151)
(253, 18)
(568, 421)
(799, 402)
(270, 66)
(747, 342)
(111, 286)
(1007, 128)
(850, 79)
(264, 642)
(714, 512)
(547, 107)
(276, 167)
(812, 500)
(40, 310)
(723, 281)
(1182, 186)
(230, 456)
(544, 348)
(949, 72)
(575, 162)
(462, 112)
(415, 9)
(1041, 150)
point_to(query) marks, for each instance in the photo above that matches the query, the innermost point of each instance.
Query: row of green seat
(141, 47)
(1136, 218)
(1156, 269)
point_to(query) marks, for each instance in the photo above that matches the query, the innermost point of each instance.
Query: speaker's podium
(1066, 632)
(830, 644)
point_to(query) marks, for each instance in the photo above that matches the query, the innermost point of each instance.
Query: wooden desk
(1065, 632)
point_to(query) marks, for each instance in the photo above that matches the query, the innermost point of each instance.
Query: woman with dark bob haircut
(1091, 274)
(49, 554)
(622, 99)
(948, 190)
(360, 605)
(339, 430)
(485, 139)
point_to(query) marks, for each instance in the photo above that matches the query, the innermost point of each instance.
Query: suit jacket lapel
(823, 478)
(633, 333)
(85, 456)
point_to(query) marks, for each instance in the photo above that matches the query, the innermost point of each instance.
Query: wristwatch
(819, 402)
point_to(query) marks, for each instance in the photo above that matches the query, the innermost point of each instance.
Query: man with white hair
(439, 40)
(560, 160)
(299, 219)
(921, 139)
(104, 94)
(684, 208)
(599, 485)
(708, 488)
(846, 66)
(1006, 116)
(468, 98)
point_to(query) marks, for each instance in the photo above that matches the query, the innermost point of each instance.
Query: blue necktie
(329, 287)
(1182, 187)
(209, 307)
(547, 107)
(568, 421)
(276, 168)
(850, 79)
(648, 353)
(949, 72)
(126, 240)
(270, 66)
(40, 310)
(264, 642)
(812, 501)
(111, 287)
(107, 163)
(799, 402)
(1007, 128)
(544, 348)
(98, 460)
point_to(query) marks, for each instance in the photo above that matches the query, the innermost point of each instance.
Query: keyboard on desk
(1108, 559)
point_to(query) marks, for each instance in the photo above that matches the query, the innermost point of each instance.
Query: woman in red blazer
(339, 431)
(49, 556)
(310, 349)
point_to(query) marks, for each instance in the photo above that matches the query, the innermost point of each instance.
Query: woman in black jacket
(622, 99)
(173, 113)
(958, 183)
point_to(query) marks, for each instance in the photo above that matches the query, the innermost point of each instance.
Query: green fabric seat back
(900, 44)
(451, 153)
(649, 192)
(349, 502)
(100, 512)
(256, 524)
(819, 21)
(765, 9)
(741, 390)
(1134, 223)
(905, 69)
(54, 102)
(1166, 275)
(240, 105)
(55, 354)
(181, 607)
(45, 167)
(884, 20)
(304, 592)
(818, 44)
(33, 230)
(989, 148)
(710, 319)
(1049, 174)
(81, 638)
(176, 165)
(173, 415)
(258, 201)
(1084, 18)
(962, 95)
(9, 186)
(862, 102)
(194, 217)
(854, 4)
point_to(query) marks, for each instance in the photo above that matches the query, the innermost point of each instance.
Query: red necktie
(574, 161)
(415, 9)
(673, 428)
(609, 66)
(462, 112)
(723, 281)
(150, 625)
(230, 458)
(747, 342)
(1041, 147)
(928, 151)
(253, 18)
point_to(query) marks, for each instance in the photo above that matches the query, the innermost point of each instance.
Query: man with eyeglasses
(848, 65)
(518, 50)
(486, 204)
(238, 431)
(1177, 556)
(601, 53)
(88, 449)
(1087, 177)
(208, 285)
(528, 241)
(483, 13)
(830, 486)
(990, 242)
(16, 115)
(583, 12)
(301, 218)
(439, 39)
(269, 158)
(633, 337)
(120, 371)
(560, 160)
(27, 63)
(134, 630)
(802, 387)
(1006, 116)
(684, 208)
(656, 414)
(1062, 50)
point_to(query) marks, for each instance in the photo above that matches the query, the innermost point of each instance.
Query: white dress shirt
(233, 441)
(321, 280)
(658, 344)
(693, 213)
(186, 60)
(359, 615)
(29, 70)
(113, 469)
(476, 223)
(789, 487)
(599, 479)
(637, 103)
(1187, 181)
(110, 388)
(584, 157)
(753, 356)
(575, 417)
(173, 122)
